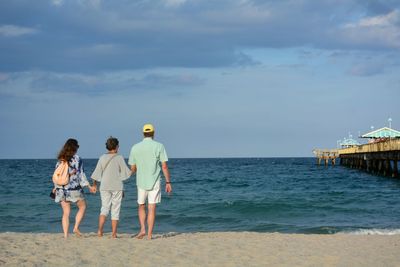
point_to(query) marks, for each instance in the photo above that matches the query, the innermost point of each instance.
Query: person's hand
(168, 188)
(54, 190)
(93, 189)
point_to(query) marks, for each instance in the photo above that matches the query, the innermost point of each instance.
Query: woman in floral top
(73, 191)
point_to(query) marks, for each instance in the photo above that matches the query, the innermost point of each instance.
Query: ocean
(285, 195)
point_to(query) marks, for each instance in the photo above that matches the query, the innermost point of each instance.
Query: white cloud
(14, 31)
(383, 20)
(383, 30)
(57, 2)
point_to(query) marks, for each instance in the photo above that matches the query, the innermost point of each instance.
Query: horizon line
(229, 157)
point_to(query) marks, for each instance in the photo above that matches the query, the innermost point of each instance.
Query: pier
(325, 155)
(378, 158)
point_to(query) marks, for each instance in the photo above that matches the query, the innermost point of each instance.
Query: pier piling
(395, 169)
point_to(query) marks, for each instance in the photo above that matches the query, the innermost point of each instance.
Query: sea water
(286, 195)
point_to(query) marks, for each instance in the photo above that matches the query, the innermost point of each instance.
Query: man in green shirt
(147, 159)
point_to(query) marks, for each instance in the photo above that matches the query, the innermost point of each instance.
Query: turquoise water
(288, 195)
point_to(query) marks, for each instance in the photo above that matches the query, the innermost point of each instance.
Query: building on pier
(381, 134)
(348, 142)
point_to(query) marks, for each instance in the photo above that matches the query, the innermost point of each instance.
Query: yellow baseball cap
(148, 128)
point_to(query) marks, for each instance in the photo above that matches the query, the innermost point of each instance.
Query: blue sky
(228, 78)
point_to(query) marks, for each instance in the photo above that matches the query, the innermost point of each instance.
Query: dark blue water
(258, 194)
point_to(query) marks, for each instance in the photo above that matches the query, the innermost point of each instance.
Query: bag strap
(105, 167)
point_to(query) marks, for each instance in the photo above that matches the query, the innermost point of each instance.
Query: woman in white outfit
(111, 171)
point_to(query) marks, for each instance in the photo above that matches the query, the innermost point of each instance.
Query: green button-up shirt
(147, 156)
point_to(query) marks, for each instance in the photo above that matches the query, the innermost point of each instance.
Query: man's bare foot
(140, 235)
(77, 233)
(149, 237)
(99, 233)
(114, 236)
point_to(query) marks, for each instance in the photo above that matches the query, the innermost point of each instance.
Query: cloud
(160, 81)
(382, 30)
(15, 31)
(57, 2)
(383, 20)
(36, 84)
(95, 36)
(367, 69)
(86, 3)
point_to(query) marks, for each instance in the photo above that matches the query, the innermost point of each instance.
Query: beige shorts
(152, 196)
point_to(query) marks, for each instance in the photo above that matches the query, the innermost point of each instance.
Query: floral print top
(77, 177)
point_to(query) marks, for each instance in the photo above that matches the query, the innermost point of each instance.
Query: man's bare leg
(114, 226)
(142, 220)
(102, 221)
(151, 216)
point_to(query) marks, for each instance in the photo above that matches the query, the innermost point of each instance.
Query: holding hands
(93, 189)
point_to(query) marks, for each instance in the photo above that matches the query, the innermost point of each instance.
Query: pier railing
(389, 145)
(378, 158)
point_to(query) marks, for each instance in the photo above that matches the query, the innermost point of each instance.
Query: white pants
(111, 200)
(152, 196)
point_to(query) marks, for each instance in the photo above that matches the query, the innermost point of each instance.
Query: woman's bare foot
(99, 233)
(77, 233)
(140, 235)
(114, 236)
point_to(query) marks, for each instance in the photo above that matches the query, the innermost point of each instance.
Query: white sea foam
(374, 232)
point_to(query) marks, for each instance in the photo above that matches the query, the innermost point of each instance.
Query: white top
(116, 171)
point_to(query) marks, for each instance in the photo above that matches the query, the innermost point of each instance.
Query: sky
(226, 78)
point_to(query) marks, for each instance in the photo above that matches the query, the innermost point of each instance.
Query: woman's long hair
(69, 149)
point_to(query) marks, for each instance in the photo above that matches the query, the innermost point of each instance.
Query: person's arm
(124, 171)
(98, 171)
(133, 168)
(96, 176)
(85, 182)
(80, 171)
(132, 161)
(168, 187)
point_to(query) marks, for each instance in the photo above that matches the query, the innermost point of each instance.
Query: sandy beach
(200, 249)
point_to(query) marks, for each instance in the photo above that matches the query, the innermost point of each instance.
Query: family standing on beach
(147, 159)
